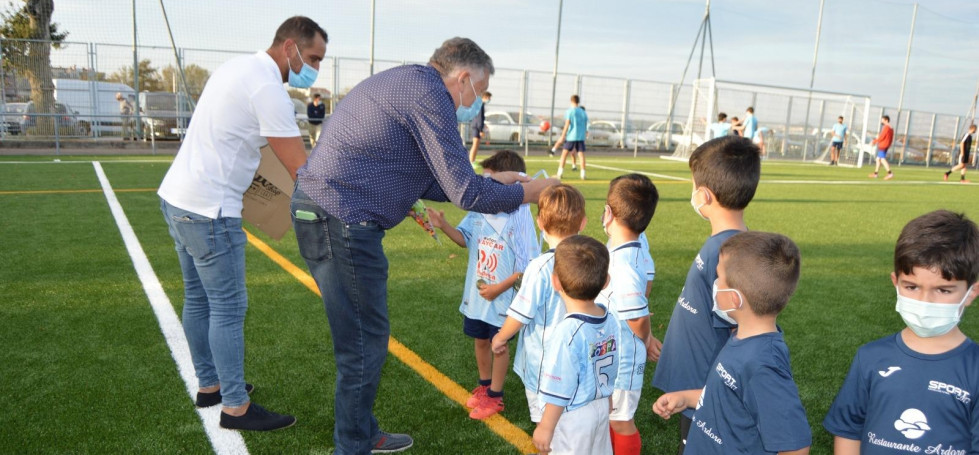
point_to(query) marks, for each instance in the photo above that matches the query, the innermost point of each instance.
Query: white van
(95, 103)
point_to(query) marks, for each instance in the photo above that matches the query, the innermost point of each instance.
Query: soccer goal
(794, 124)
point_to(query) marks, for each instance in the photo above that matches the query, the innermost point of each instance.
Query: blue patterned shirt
(393, 140)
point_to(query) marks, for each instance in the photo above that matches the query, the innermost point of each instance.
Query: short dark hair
(317, 95)
(575, 99)
(730, 166)
(734, 118)
(632, 199)
(972, 126)
(751, 109)
(721, 117)
(300, 29)
(764, 266)
(487, 95)
(504, 160)
(840, 118)
(560, 210)
(460, 53)
(581, 266)
(942, 241)
(886, 117)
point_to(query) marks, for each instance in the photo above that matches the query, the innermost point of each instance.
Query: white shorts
(583, 431)
(535, 405)
(624, 404)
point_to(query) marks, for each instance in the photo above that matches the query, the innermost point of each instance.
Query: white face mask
(723, 314)
(927, 319)
(693, 203)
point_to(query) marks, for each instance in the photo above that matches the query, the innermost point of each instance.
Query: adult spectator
(393, 139)
(126, 117)
(244, 105)
(479, 128)
(316, 111)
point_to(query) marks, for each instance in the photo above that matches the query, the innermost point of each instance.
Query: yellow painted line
(497, 423)
(130, 190)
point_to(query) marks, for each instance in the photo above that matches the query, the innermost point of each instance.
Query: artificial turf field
(86, 368)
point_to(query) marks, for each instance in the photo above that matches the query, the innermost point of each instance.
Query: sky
(862, 46)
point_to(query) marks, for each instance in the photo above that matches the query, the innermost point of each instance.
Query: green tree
(29, 36)
(149, 77)
(196, 76)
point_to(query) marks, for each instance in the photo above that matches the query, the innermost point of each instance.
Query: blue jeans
(212, 260)
(348, 263)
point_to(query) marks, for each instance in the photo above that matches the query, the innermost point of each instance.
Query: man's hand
(533, 188)
(509, 177)
(437, 217)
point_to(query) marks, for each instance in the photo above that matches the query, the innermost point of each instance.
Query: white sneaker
(574, 167)
(559, 172)
(582, 174)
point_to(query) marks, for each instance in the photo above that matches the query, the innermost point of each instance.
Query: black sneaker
(257, 418)
(208, 399)
(392, 442)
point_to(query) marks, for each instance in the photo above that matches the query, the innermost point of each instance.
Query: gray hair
(458, 53)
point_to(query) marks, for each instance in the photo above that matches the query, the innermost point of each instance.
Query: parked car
(505, 127)
(67, 120)
(610, 134)
(94, 103)
(164, 115)
(656, 134)
(13, 116)
(302, 120)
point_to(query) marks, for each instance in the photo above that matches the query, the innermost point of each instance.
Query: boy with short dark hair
(916, 390)
(749, 404)
(537, 307)
(629, 207)
(580, 366)
(500, 247)
(965, 148)
(839, 139)
(725, 176)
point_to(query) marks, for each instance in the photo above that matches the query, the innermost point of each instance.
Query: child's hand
(542, 439)
(653, 348)
(499, 344)
(437, 217)
(669, 404)
(492, 291)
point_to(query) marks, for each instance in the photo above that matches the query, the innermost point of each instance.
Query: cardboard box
(266, 202)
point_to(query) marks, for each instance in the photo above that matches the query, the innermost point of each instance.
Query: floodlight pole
(557, 48)
(373, 20)
(139, 122)
(701, 39)
(812, 80)
(904, 78)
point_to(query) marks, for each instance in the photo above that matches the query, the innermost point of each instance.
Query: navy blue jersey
(895, 400)
(695, 335)
(750, 404)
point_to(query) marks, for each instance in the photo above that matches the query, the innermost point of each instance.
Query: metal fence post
(788, 120)
(3, 87)
(955, 137)
(819, 129)
(907, 128)
(523, 110)
(625, 114)
(667, 138)
(931, 137)
(336, 84)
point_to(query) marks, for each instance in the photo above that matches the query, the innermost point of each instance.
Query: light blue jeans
(348, 263)
(212, 259)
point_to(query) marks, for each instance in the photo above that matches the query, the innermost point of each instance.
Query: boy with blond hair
(580, 366)
(916, 390)
(500, 246)
(537, 307)
(629, 207)
(725, 173)
(749, 404)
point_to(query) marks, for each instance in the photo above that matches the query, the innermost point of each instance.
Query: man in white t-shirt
(243, 106)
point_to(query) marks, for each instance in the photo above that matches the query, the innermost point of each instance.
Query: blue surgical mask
(305, 77)
(466, 114)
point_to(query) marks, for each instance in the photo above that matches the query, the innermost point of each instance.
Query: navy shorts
(837, 145)
(575, 146)
(477, 132)
(479, 330)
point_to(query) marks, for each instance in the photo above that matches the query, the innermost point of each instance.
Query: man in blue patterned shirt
(393, 139)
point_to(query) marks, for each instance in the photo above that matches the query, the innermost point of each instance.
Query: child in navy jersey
(915, 391)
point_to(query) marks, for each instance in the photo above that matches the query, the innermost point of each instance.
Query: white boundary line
(223, 441)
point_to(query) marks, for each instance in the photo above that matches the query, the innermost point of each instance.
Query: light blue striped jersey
(499, 245)
(539, 307)
(625, 297)
(581, 361)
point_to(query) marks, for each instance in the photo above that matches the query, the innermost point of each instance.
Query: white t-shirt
(243, 103)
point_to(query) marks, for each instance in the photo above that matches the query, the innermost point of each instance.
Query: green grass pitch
(86, 369)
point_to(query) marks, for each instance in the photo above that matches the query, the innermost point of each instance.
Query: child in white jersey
(500, 246)
(580, 366)
(537, 307)
(629, 207)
